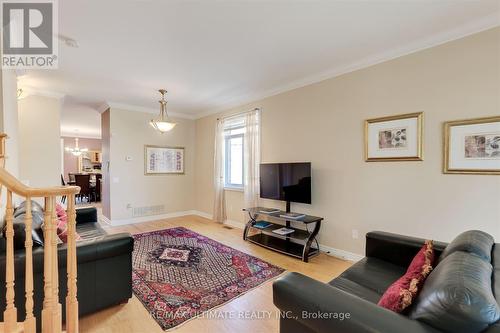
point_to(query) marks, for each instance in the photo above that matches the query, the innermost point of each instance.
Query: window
(234, 131)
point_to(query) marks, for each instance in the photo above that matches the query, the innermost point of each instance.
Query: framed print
(163, 160)
(472, 146)
(394, 138)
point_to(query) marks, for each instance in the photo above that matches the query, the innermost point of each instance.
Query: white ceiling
(78, 120)
(212, 55)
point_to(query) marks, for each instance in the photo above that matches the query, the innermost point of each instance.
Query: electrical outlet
(355, 234)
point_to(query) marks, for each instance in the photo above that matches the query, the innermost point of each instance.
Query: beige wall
(106, 141)
(323, 123)
(10, 120)
(40, 141)
(130, 131)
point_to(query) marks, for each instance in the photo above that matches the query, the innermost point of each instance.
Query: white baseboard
(104, 219)
(341, 254)
(232, 223)
(203, 214)
(338, 253)
(150, 218)
(235, 224)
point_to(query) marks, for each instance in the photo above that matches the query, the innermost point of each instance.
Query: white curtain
(219, 201)
(251, 157)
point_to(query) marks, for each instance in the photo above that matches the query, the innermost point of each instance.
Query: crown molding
(103, 107)
(70, 134)
(471, 28)
(137, 108)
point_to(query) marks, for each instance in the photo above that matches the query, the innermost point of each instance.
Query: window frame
(227, 159)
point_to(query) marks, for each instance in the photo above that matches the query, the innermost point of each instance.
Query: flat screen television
(290, 182)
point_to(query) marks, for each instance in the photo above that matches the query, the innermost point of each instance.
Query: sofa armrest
(396, 249)
(86, 215)
(103, 247)
(299, 297)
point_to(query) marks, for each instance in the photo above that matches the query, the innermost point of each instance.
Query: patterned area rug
(178, 274)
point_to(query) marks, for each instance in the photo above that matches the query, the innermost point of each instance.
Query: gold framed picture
(160, 160)
(394, 138)
(472, 146)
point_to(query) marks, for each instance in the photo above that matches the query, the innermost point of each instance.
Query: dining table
(92, 181)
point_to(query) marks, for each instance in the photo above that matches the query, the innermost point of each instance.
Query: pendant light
(77, 151)
(163, 123)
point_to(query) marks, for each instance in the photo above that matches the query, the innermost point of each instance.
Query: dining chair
(63, 183)
(97, 187)
(83, 181)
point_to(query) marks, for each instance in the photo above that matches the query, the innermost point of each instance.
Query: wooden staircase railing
(51, 313)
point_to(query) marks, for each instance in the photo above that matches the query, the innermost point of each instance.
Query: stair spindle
(10, 313)
(48, 304)
(30, 321)
(56, 306)
(71, 300)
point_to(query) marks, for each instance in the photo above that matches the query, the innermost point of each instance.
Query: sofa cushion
(423, 262)
(36, 225)
(374, 274)
(89, 231)
(495, 279)
(86, 215)
(457, 295)
(62, 224)
(36, 208)
(401, 294)
(356, 289)
(472, 241)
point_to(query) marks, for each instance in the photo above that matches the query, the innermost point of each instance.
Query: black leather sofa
(460, 294)
(104, 265)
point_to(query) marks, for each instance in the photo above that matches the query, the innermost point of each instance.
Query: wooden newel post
(71, 300)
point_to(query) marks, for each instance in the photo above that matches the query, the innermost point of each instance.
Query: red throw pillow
(62, 224)
(401, 293)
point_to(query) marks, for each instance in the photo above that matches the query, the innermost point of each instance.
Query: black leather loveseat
(104, 265)
(459, 295)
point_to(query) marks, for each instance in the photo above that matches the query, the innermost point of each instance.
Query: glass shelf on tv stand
(296, 244)
(297, 235)
(277, 215)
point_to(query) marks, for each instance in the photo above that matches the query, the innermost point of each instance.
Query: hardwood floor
(133, 317)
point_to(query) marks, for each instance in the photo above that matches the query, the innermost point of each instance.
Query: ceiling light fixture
(163, 123)
(77, 151)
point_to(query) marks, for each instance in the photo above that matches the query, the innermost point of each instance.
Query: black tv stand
(297, 244)
(288, 203)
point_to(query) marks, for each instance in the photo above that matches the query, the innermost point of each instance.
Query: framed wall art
(394, 138)
(472, 146)
(163, 160)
